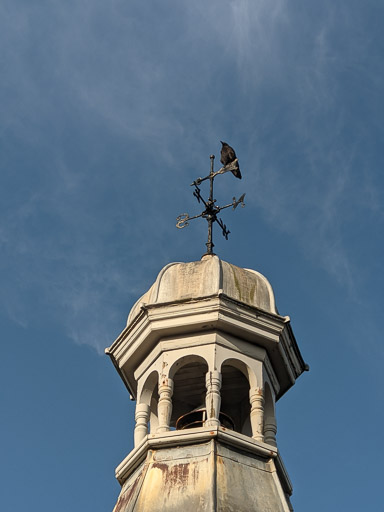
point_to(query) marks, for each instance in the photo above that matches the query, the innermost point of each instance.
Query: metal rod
(210, 215)
(212, 157)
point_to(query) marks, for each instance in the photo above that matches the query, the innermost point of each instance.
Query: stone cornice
(191, 437)
(218, 312)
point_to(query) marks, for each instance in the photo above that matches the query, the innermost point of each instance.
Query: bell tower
(206, 356)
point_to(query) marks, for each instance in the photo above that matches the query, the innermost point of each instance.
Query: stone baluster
(142, 418)
(213, 398)
(165, 405)
(270, 429)
(256, 399)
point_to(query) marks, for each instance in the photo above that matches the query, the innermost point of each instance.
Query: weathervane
(230, 163)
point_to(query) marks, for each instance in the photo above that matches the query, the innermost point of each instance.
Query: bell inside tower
(189, 409)
(189, 395)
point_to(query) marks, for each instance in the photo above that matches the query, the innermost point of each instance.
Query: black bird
(228, 156)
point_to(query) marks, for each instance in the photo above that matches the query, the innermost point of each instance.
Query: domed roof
(204, 278)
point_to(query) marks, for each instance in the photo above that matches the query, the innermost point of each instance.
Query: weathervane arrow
(230, 163)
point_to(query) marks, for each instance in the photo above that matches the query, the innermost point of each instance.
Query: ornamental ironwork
(211, 209)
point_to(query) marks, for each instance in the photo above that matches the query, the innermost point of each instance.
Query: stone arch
(149, 386)
(237, 379)
(248, 373)
(185, 360)
(188, 374)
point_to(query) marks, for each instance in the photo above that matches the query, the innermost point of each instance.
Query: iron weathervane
(211, 209)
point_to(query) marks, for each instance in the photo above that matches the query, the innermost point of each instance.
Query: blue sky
(108, 111)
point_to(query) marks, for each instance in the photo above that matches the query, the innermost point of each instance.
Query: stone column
(164, 407)
(142, 418)
(256, 399)
(270, 429)
(213, 398)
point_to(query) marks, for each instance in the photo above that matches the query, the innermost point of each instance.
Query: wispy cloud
(107, 113)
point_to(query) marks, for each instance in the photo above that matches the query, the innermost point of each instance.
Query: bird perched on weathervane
(228, 159)
(211, 211)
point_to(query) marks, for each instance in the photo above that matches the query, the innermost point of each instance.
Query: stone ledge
(189, 437)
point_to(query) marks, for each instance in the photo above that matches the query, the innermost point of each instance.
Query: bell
(198, 416)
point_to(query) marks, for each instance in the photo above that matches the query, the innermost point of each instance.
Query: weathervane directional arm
(224, 229)
(227, 168)
(182, 220)
(235, 203)
(198, 196)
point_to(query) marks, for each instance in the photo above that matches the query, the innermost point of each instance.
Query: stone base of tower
(222, 471)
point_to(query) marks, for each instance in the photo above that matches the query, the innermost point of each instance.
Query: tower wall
(207, 476)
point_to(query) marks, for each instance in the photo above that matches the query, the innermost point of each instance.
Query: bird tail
(237, 173)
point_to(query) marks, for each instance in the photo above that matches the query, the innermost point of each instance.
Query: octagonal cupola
(206, 355)
(207, 330)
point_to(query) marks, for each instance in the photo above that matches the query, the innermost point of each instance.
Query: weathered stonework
(206, 344)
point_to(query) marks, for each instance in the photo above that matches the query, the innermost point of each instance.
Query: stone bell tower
(206, 355)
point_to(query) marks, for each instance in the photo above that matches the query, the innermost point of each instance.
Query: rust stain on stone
(125, 499)
(179, 475)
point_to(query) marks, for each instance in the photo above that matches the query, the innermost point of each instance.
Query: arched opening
(153, 414)
(235, 395)
(189, 390)
(150, 396)
(270, 427)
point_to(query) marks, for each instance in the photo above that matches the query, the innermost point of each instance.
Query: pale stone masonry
(206, 355)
